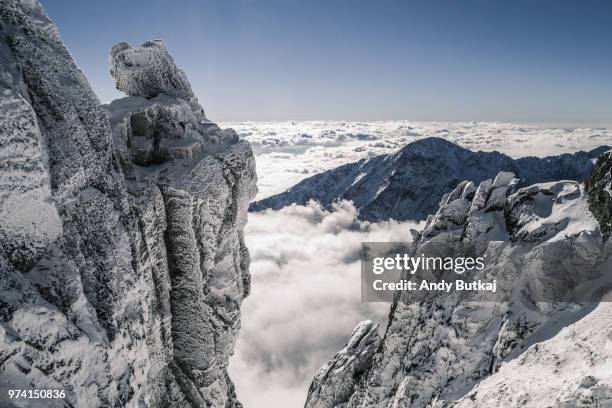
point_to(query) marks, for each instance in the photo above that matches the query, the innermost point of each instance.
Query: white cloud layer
(305, 297)
(305, 291)
(288, 152)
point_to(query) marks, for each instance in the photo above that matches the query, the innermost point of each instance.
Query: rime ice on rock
(599, 187)
(336, 381)
(122, 258)
(148, 71)
(452, 352)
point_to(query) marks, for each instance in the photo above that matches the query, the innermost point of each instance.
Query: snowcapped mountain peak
(408, 184)
(431, 147)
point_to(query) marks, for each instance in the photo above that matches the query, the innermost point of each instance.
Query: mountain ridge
(408, 184)
(452, 350)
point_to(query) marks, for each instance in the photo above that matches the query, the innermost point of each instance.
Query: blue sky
(522, 61)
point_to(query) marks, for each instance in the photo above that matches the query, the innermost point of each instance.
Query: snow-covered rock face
(408, 184)
(436, 351)
(122, 259)
(157, 130)
(336, 381)
(29, 220)
(148, 71)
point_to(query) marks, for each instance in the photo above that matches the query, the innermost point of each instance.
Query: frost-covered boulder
(161, 121)
(148, 71)
(122, 258)
(157, 130)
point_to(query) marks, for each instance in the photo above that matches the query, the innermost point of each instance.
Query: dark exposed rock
(599, 188)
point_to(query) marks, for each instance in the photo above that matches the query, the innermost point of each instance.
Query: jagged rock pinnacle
(148, 71)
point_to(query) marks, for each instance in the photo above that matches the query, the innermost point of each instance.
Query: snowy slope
(570, 370)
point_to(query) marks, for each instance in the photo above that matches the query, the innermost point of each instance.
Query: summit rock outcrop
(148, 71)
(524, 347)
(122, 258)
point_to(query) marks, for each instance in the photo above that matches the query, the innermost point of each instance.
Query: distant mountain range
(408, 184)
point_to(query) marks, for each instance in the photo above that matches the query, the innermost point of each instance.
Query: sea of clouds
(288, 152)
(306, 294)
(305, 298)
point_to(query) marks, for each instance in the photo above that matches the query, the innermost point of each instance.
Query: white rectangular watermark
(562, 271)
